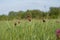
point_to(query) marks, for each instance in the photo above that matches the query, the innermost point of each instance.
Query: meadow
(34, 30)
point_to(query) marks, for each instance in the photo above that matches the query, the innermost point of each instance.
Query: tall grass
(34, 30)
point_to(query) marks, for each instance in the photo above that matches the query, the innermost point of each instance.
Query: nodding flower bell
(43, 20)
(29, 18)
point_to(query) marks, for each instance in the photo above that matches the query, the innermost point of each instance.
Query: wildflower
(58, 33)
(29, 18)
(43, 20)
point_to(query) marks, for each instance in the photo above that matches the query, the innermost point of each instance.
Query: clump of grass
(34, 30)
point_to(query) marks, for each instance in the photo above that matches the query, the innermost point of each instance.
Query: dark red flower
(58, 33)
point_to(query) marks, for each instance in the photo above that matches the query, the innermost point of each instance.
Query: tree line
(53, 13)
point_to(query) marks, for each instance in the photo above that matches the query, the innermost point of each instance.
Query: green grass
(34, 30)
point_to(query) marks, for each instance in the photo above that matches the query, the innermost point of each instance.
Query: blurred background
(11, 9)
